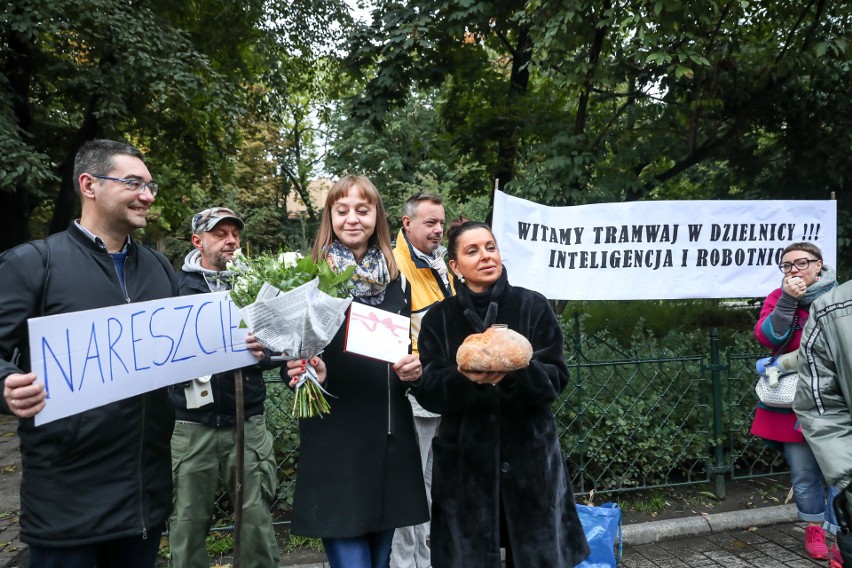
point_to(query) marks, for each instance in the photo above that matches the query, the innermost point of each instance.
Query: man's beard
(219, 260)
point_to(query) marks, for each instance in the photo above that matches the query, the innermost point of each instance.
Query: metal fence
(625, 424)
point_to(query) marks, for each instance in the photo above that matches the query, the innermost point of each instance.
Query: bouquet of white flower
(293, 305)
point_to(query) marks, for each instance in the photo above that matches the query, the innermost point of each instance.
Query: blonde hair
(381, 236)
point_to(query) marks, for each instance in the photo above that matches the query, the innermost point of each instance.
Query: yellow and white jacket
(427, 289)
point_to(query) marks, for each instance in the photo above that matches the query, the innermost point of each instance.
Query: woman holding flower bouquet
(359, 475)
(499, 478)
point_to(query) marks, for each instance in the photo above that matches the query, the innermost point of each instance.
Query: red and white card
(378, 334)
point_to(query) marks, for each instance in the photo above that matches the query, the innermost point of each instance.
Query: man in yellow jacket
(420, 257)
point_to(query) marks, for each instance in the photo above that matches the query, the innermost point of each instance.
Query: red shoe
(815, 542)
(835, 560)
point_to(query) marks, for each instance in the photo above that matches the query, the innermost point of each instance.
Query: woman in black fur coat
(499, 478)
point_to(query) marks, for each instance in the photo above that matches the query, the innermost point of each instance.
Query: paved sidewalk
(766, 537)
(768, 547)
(10, 479)
(690, 544)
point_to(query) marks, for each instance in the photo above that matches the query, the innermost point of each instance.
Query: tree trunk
(15, 203)
(507, 144)
(14, 218)
(65, 208)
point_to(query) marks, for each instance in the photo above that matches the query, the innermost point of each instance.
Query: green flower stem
(309, 401)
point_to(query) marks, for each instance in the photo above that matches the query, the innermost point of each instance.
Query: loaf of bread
(497, 349)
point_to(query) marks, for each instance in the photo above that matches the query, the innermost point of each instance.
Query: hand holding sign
(24, 395)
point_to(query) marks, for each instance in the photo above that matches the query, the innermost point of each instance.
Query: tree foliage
(409, 154)
(244, 103)
(183, 81)
(581, 102)
(290, 111)
(73, 71)
(672, 94)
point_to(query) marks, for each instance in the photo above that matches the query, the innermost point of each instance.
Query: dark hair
(458, 229)
(96, 157)
(809, 248)
(457, 222)
(413, 202)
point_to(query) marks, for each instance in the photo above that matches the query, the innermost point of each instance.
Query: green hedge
(638, 409)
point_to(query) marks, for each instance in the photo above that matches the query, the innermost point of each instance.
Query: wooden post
(239, 443)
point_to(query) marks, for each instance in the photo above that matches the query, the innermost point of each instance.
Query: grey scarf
(826, 280)
(216, 281)
(436, 262)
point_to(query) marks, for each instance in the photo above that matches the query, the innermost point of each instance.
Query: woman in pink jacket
(805, 278)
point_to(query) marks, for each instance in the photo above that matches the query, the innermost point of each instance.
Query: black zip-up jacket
(222, 411)
(359, 466)
(105, 473)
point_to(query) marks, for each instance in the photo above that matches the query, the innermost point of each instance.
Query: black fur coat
(498, 444)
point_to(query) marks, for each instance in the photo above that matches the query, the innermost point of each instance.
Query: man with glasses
(96, 487)
(203, 441)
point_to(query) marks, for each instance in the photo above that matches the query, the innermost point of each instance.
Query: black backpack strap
(164, 262)
(21, 352)
(45, 255)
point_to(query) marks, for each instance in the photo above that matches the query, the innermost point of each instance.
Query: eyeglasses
(134, 184)
(800, 263)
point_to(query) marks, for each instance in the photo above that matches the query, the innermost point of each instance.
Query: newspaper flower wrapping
(298, 323)
(294, 306)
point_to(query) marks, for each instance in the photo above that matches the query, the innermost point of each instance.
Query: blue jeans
(130, 552)
(369, 551)
(809, 493)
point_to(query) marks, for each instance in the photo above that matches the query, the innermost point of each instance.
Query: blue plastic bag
(602, 525)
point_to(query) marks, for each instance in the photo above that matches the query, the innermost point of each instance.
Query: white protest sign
(646, 250)
(91, 358)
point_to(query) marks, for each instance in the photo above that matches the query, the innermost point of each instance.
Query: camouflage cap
(207, 219)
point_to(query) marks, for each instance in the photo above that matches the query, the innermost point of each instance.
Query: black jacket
(222, 411)
(498, 445)
(359, 467)
(104, 473)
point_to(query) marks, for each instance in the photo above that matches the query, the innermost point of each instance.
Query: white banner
(91, 358)
(646, 250)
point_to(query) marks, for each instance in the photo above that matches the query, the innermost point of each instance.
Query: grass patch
(649, 504)
(219, 542)
(295, 542)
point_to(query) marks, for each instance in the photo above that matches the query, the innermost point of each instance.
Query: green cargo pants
(199, 455)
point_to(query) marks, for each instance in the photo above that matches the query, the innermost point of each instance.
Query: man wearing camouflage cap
(203, 445)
